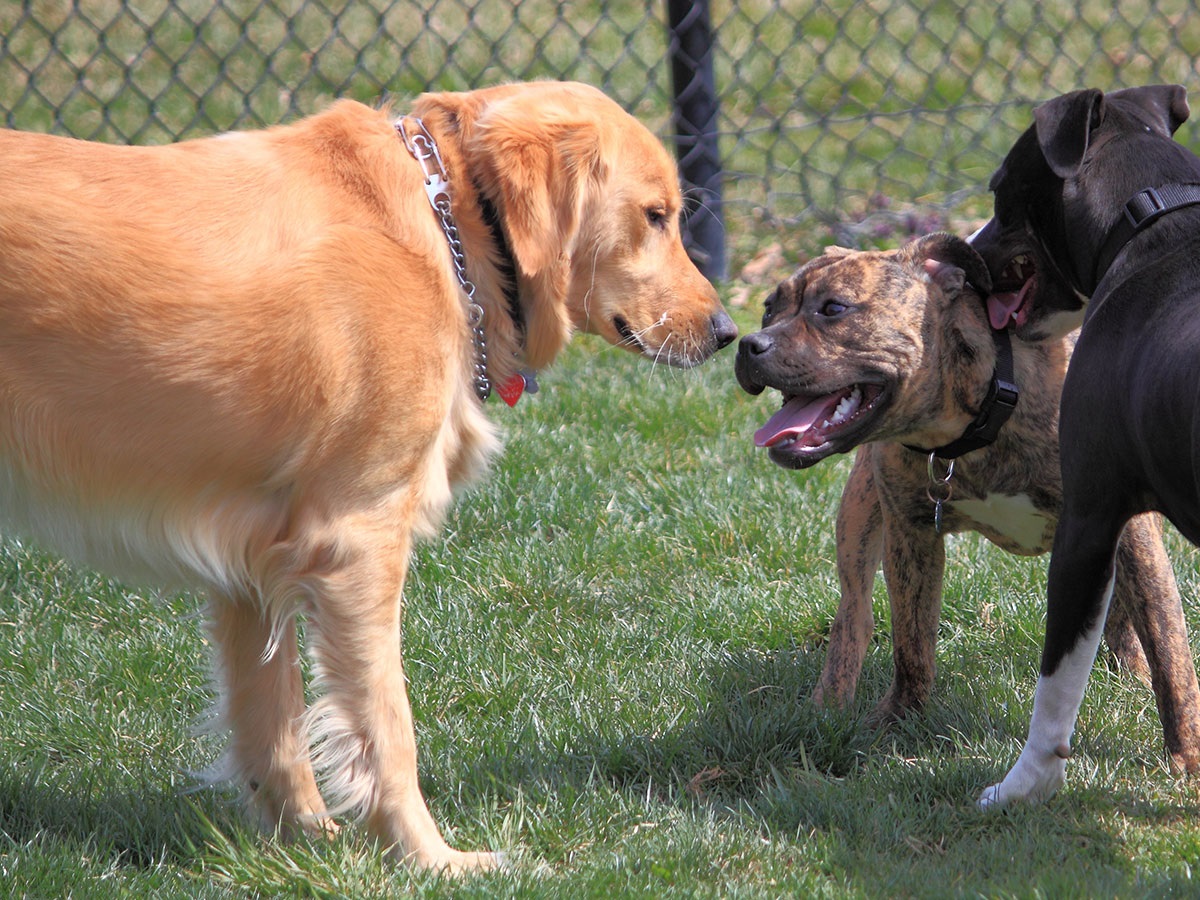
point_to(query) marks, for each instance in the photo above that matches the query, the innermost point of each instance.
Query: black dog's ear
(1166, 103)
(1178, 110)
(1064, 127)
(950, 261)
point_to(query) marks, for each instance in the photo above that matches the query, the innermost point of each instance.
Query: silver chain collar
(437, 187)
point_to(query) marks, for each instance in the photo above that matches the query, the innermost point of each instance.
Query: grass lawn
(611, 649)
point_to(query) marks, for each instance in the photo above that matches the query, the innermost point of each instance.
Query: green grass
(611, 650)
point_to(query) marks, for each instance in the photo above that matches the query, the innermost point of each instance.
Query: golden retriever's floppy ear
(538, 160)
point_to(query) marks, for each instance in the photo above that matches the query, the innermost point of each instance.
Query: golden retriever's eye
(657, 216)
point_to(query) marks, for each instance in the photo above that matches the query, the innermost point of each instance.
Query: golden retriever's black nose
(724, 330)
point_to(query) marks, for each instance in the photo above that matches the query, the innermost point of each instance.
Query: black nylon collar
(508, 267)
(1141, 210)
(998, 405)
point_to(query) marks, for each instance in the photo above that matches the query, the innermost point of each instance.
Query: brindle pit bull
(893, 351)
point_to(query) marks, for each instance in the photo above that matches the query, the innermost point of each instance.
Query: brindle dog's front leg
(914, 562)
(859, 550)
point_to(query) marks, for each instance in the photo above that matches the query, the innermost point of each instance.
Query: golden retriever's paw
(470, 863)
(457, 863)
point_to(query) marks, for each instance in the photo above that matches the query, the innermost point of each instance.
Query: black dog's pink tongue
(797, 416)
(1001, 308)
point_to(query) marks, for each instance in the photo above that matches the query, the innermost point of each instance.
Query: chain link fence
(859, 122)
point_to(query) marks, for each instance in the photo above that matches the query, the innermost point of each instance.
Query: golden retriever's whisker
(637, 338)
(587, 295)
(694, 201)
(666, 348)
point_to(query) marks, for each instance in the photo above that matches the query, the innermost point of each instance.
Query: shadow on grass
(892, 808)
(141, 828)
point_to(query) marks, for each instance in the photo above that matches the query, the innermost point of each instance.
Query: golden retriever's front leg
(264, 703)
(362, 725)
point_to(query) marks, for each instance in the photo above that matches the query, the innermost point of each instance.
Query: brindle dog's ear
(799, 278)
(1166, 103)
(1064, 128)
(836, 251)
(950, 261)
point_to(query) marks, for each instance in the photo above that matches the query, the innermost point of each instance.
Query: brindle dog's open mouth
(811, 427)
(1011, 290)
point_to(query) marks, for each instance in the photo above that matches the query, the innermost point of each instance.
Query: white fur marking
(1013, 516)
(1041, 770)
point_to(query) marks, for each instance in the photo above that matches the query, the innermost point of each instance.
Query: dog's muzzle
(753, 351)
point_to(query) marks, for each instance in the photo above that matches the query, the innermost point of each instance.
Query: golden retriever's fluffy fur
(244, 363)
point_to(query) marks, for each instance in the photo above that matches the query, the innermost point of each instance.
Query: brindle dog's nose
(723, 329)
(747, 365)
(755, 344)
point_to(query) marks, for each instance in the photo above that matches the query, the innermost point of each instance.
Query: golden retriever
(245, 363)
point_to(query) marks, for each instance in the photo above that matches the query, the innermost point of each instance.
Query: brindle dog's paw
(892, 708)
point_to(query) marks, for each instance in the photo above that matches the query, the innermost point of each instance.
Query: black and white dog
(1097, 218)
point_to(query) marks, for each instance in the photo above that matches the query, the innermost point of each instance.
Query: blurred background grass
(861, 121)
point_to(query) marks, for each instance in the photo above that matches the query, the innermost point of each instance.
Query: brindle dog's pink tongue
(797, 416)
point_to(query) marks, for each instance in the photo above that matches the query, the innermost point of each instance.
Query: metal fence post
(695, 120)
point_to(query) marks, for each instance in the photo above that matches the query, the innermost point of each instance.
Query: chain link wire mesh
(854, 119)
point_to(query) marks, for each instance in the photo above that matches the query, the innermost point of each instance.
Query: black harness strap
(1141, 210)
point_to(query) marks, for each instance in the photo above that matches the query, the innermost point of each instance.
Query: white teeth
(846, 408)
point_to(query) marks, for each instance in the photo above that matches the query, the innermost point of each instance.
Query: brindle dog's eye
(769, 305)
(832, 308)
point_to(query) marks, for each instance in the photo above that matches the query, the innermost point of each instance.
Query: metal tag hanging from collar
(437, 188)
(939, 490)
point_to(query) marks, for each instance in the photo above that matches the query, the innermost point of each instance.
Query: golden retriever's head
(590, 203)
